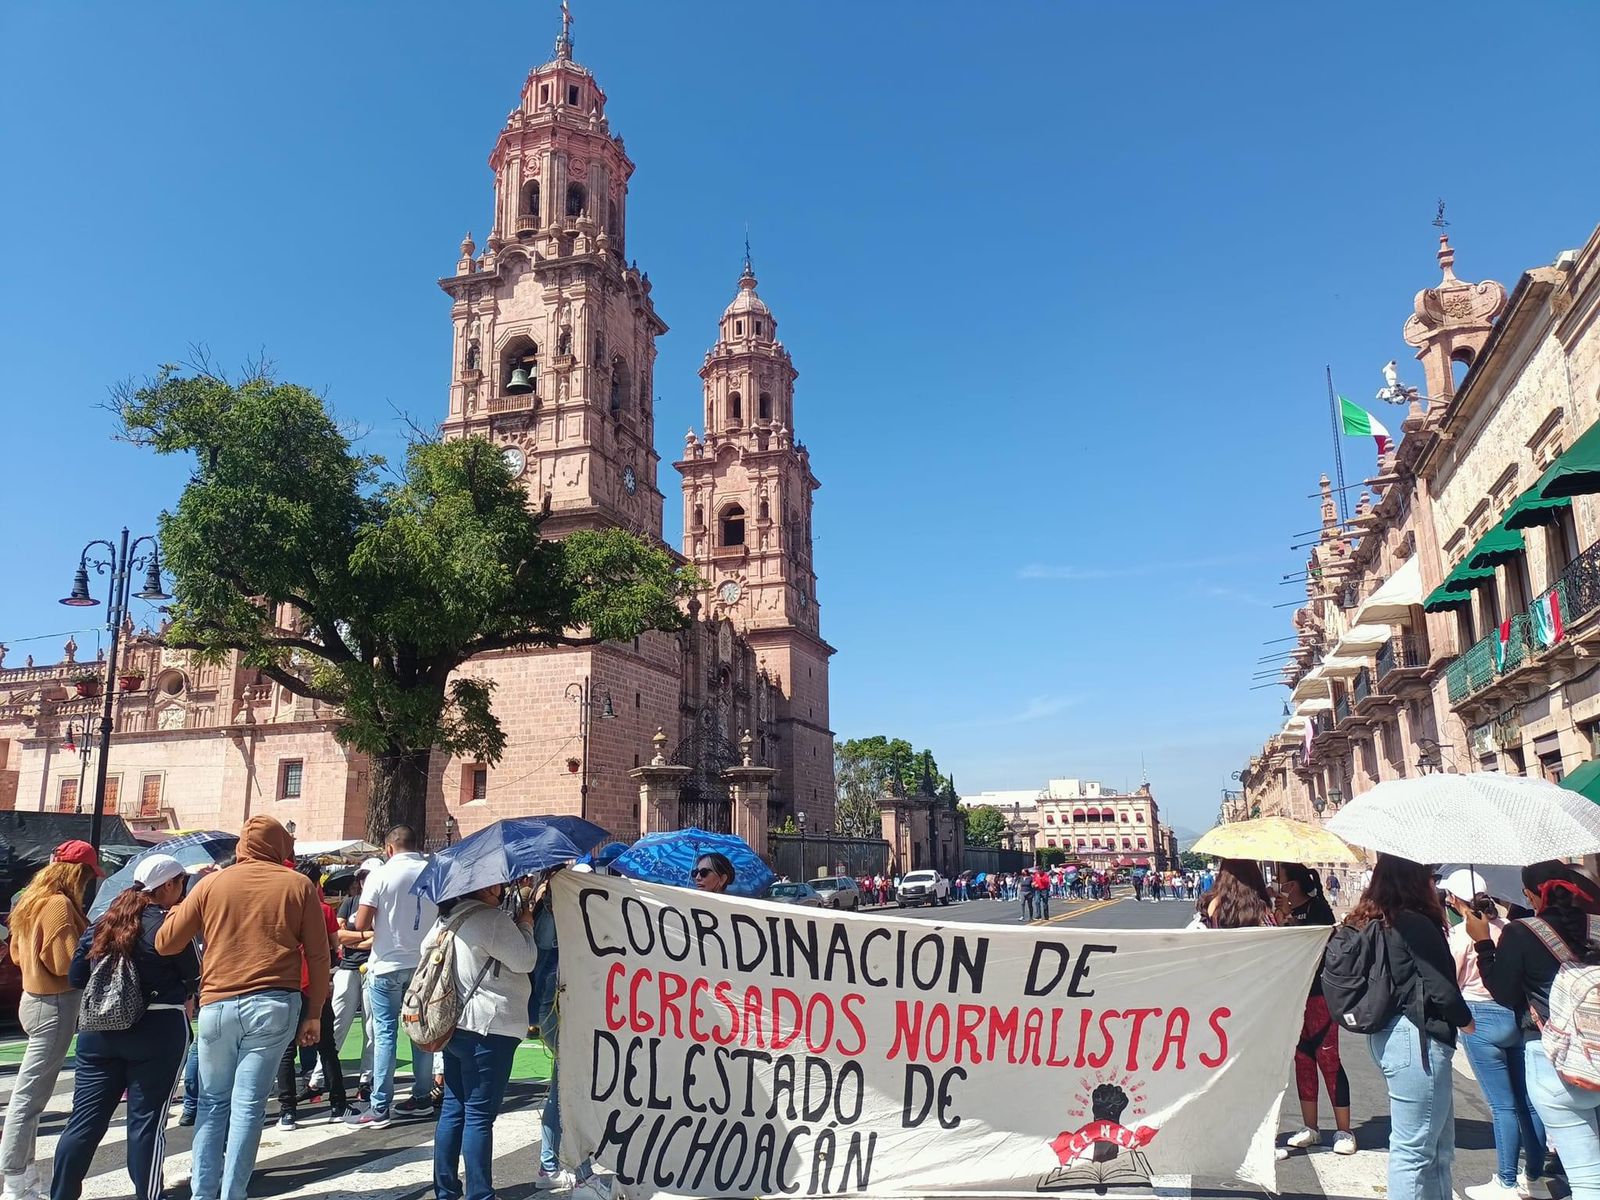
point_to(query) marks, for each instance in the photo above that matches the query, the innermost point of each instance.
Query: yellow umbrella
(1274, 839)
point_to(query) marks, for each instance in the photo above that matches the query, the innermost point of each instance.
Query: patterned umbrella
(191, 849)
(1274, 839)
(1482, 818)
(669, 857)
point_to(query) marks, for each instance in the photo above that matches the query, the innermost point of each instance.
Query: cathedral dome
(747, 301)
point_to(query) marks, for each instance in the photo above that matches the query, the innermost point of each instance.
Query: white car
(922, 887)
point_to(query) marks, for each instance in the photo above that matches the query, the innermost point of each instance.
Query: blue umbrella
(669, 857)
(502, 852)
(191, 849)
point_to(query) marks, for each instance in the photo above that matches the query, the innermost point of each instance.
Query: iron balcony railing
(1398, 654)
(1577, 594)
(1321, 723)
(1341, 710)
(1363, 685)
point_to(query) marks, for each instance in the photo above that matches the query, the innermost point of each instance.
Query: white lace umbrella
(1485, 817)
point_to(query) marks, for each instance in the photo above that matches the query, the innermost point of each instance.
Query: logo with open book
(1107, 1150)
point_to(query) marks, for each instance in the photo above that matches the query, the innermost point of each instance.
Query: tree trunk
(399, 794)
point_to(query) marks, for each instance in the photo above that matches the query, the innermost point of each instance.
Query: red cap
(77, 851)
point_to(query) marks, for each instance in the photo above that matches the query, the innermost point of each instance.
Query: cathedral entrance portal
(703, 799)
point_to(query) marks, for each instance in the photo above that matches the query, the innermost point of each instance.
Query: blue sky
(1060, 280)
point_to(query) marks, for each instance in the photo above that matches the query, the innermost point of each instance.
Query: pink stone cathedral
(553, 348)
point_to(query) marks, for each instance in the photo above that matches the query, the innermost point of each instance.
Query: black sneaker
(186, 1118)
(411, 1107)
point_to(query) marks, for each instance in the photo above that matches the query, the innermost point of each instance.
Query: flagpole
(1338, 454)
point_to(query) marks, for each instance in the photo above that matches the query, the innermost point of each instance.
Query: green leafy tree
(1191, 861)
(370, 593)
(986, 825)
(863, 770)
(1050, 856)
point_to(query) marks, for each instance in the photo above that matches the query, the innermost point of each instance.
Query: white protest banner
(711, 1046)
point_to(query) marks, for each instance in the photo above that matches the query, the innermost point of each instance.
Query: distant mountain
(1186, 837)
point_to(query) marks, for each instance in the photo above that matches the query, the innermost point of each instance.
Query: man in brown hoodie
(255, 918)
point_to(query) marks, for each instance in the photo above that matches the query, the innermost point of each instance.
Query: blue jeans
(1569, 1115)
(477, 1068)
(1494, 1049)
(385, 992)
(1422, 1142)
(191, 1081)
(550, 1128)
(241, 1043)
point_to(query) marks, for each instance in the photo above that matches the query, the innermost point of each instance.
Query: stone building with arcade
(553, 345)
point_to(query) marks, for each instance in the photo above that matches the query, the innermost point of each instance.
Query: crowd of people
(1502, 977)
(218, 983)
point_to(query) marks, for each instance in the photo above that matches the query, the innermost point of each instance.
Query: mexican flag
(1358, 422)
(1547, 618)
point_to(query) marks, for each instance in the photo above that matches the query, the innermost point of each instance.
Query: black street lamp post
(582, 695)
(77, 741)
(123, 561)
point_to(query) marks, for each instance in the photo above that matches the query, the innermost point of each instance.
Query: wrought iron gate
(703, 800)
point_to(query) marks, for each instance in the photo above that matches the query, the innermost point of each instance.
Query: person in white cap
(143, 1058)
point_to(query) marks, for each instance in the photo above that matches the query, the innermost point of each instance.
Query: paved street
(318, 1160)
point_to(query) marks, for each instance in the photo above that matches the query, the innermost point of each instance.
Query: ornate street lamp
(78, 744)
(120, 564)
(582, 695)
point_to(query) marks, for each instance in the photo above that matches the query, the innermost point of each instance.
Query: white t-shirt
(401, 920)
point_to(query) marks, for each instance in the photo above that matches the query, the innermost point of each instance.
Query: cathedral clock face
(516, 461)
(730, 591)
(630, 481)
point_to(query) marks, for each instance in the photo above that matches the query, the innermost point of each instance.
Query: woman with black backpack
(143, 1058)
(1520, 972)
(1415, 1047)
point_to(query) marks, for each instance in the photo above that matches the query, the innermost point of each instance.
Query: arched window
(1083, 843)
(764, 406)
(619, 383)
(530, 200)
(699, 517)
(472, 355)
(765, 513)
(735, 407)
(733, 526)
(520, 355)
(1460, 364)
(613, 218)
(577, 198)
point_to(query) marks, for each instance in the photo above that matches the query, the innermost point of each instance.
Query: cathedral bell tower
(554, 331)
(747, 497)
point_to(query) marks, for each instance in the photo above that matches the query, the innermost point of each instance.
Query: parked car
(838, 891)
(795, 893)
(923, 887)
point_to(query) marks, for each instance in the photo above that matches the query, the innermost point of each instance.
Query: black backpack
(1357, 980)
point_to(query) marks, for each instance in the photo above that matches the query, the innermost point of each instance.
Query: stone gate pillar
(750, 786)
(659, 784)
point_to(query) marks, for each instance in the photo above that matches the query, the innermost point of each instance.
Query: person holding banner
(1300, 902)
(1430, 1011)
(1239, 899)
(712, 872)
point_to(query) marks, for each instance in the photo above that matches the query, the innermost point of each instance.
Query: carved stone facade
(1459, 679)
(553, 356)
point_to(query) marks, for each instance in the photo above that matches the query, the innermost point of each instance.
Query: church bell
(520, 383)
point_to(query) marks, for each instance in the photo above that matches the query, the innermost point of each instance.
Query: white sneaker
(1493, 1190)
(562, 1181)
(1533, 1189)
(17, 1187)
(1344, 1142)
(1305, 1138)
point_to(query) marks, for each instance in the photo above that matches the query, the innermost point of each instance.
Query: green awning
(1530, 509)
(1497, 546)
(1465, 577)
(1585, 780)
(1575, 473)
(1442, 599)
